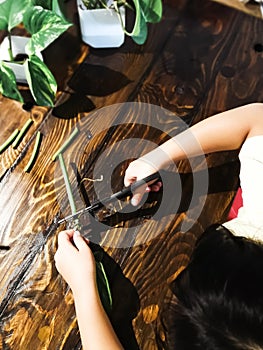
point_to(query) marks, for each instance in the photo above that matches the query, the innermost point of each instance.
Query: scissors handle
(128, 191)
(124, 193)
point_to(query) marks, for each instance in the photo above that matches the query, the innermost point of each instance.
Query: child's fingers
(79, 241)
(65, 236)
(136, 198)
(156, 187)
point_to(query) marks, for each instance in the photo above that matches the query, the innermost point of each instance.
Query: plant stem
(106, 282)
(65, 144)
(67, 184)
(34, 153)
(22, 133)
(10, 49)
(8, 142)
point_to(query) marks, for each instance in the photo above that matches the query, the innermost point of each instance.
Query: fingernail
(77, 233)
(134, 202)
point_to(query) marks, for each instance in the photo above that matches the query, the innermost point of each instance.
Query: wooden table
(201, 59)
(250, 7)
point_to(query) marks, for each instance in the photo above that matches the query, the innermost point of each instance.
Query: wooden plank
(69, 52)
(201, 49)
(27, 233)
(36, 307)
(111, 76)
(8, 124)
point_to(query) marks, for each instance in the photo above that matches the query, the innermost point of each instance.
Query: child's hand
(75, 261)
(138, 170)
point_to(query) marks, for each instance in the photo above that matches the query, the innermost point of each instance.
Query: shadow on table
(125, 300)
(89, 80)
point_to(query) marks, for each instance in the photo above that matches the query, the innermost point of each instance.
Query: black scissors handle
(128, 191)
(124, 193)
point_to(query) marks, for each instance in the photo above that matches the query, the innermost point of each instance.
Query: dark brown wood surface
(201, 59)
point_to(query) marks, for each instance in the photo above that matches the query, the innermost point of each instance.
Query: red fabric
(237, 203)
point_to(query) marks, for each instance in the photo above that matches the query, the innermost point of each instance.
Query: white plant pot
(101, 28)
(18, 47)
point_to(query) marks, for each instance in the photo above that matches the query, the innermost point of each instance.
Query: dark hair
(219, 296)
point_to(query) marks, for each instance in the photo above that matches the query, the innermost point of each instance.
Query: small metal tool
(124, 193)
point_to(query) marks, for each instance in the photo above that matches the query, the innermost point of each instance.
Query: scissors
(124, 193)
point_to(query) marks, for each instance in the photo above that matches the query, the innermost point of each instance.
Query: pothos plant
(44, 22)
(146, 11)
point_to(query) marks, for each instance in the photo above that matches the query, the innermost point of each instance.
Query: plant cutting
(43, 26)
(96, 14)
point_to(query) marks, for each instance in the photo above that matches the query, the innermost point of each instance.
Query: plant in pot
(42, 25)
(102, 22)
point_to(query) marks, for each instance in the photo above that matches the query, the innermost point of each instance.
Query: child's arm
(75, 262)
(224, 131)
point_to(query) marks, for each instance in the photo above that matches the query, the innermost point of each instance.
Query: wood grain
(198, 61)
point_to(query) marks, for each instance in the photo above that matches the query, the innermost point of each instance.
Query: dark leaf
(58, 6)
(75, 104)
(46, 4)
(97, 80)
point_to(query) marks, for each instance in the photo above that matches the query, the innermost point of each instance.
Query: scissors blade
(124, 193)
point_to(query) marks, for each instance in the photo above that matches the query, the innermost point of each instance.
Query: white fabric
(249, 221)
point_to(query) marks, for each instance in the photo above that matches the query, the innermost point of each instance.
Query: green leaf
(46, 4)
(8, 86)
(139, 31)
(3, 22)
(152, 10)
(103, 283)
(147, 11)
(56, 6)
(44, 26)
(41, 82)
(11, 13)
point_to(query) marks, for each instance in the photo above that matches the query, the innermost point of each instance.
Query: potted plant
(42, 26)
(102, 22)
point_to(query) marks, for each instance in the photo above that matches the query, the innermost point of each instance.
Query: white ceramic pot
(101, 28)
(18, 47)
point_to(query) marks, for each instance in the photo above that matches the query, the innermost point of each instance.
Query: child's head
(219, 296)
